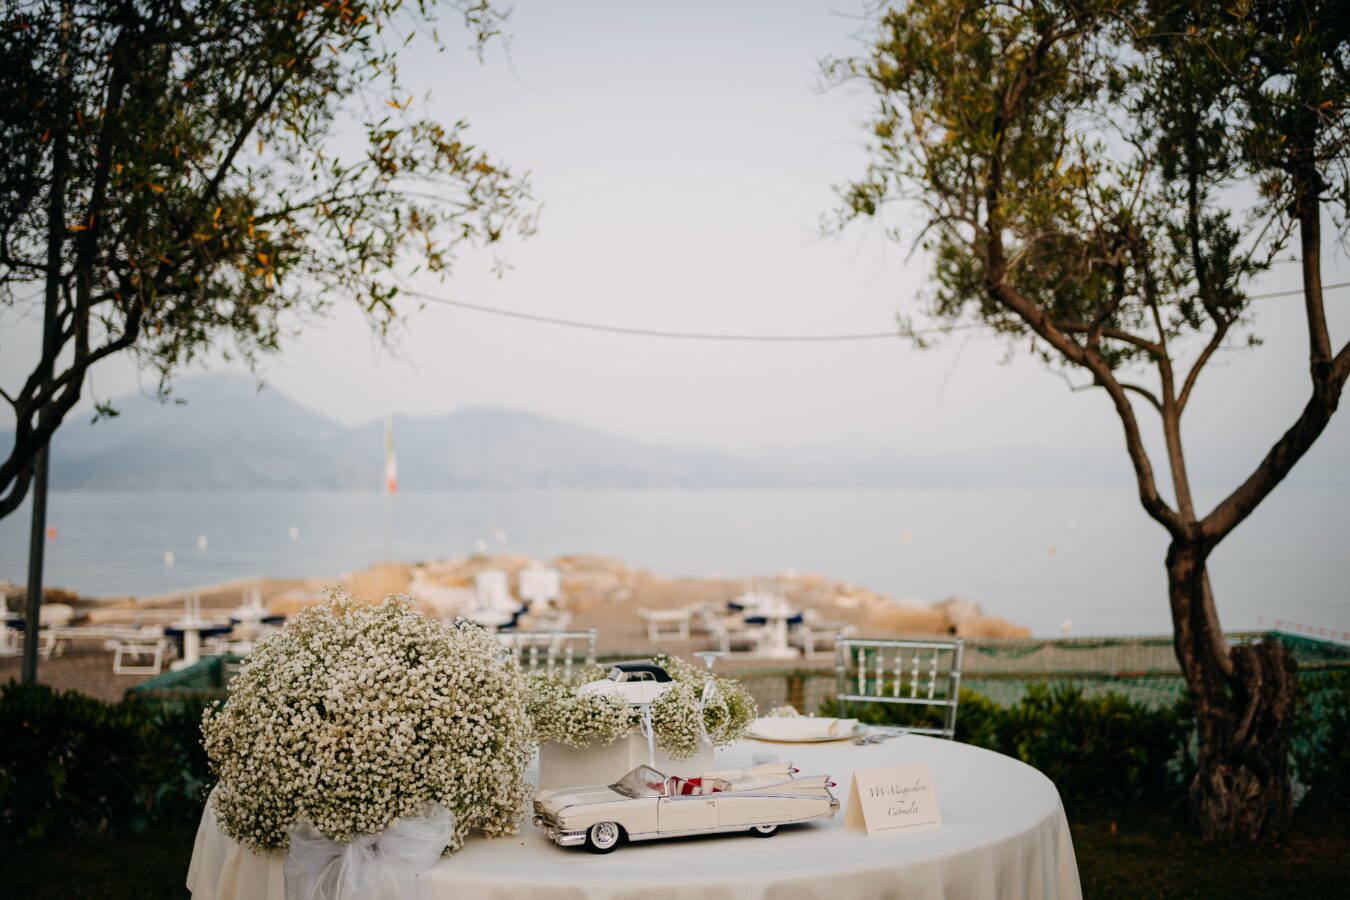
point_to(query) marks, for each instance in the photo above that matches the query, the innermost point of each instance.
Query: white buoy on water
(168, 559)
(201, 542)
(294, 533)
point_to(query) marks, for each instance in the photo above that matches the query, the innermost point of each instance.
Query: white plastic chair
(150, 657)
(493, 591)
(816, 635)
(9, 639)
(734, 635)
(538, 585)
(672, 624)
(222, 646)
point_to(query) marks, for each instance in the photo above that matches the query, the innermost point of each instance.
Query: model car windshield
(617, 674)
(643, 781)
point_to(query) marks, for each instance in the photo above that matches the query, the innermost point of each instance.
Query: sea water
(1037, 557)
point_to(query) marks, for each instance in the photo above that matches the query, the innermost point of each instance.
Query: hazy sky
(684, 156)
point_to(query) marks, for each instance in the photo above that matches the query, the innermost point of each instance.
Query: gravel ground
(81, 669)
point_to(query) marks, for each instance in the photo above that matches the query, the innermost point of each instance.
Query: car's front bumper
(557, 835)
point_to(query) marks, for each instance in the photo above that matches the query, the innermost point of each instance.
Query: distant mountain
(229, 434)
(226, 433)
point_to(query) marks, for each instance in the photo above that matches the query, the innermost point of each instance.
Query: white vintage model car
(637, 682)
(645, 804)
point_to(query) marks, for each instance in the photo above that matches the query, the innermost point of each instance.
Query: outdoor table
(776, 622)
(1003, 835)
(192, 631)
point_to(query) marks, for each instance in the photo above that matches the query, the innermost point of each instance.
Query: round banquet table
(1003, 836)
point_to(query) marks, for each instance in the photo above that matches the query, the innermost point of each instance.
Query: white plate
(809, 731)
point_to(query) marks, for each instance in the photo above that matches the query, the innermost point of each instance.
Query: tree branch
(1144, 392)
(1215, 341)
(1000, 291)
(1114, 334)
(28, 440)
(1282, 456)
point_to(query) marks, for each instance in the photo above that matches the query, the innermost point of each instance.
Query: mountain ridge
(232, 435)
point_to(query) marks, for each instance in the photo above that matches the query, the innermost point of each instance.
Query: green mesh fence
(1142, 667)
(206, 679)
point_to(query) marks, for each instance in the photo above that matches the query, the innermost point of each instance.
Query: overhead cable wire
(772, 338)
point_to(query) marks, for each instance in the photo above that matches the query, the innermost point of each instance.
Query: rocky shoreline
(598, 592)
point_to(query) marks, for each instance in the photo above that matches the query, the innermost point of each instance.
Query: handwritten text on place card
(896, 798)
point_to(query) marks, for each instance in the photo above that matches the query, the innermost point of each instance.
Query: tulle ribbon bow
(383, 866)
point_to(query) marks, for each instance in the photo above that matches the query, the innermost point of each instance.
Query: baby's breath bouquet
(560, 714)
(354, 716)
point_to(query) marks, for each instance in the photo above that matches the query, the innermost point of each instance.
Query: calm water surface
(1034, 556)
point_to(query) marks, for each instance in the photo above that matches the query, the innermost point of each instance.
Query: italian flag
(390, 460)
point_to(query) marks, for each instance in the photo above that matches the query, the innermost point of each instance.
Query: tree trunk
(1244, 709)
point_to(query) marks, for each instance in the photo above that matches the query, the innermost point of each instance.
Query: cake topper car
(645, 804)
(638, 682)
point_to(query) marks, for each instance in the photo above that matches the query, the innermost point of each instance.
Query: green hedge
(1106, 754)
(1322, 747)
(1113, 757)
(70, 763)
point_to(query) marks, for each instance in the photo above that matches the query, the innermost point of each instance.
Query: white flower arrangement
(560, 714)
(355, 716)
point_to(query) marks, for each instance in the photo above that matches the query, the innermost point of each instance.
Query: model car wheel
(602, 837)
(763, 830)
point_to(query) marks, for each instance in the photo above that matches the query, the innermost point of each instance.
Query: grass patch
(1141, 861)
(1159, 859)
(123, 867)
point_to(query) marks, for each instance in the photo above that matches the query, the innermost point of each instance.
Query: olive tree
(1102, 180)
(177, 175)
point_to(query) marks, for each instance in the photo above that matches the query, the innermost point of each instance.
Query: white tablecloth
(1003, 836)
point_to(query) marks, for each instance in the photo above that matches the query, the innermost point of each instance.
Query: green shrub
(1107, 754)
(69, 762)
(1322, 747)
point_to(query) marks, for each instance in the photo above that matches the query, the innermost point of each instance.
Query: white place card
(896, 798)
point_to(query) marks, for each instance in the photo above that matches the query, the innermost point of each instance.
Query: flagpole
(390, 482)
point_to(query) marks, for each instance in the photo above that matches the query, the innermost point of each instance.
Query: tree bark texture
(1244, 710)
